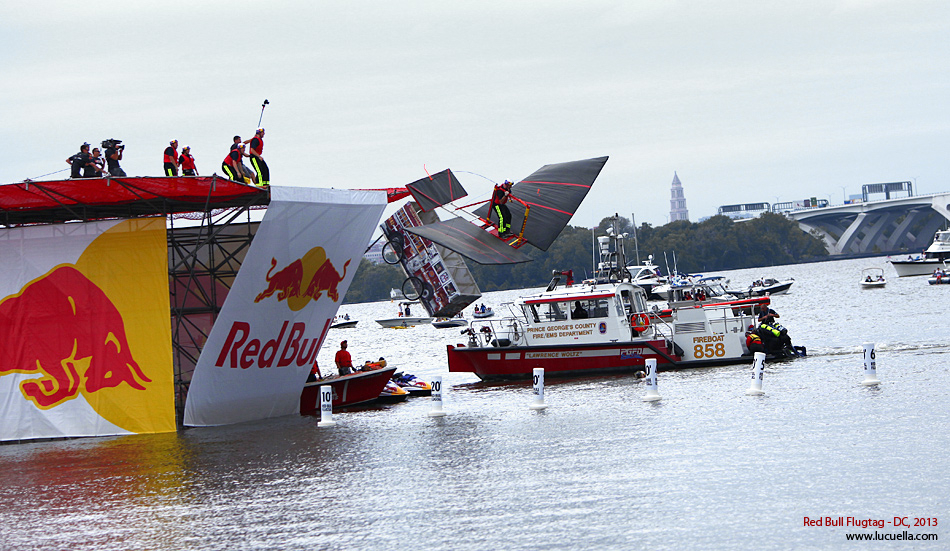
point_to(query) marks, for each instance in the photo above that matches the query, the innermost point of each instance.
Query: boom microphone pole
(263, 105)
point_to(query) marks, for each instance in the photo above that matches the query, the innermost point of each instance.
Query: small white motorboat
(444, 323)
(343, 322)
(941, 276)
(872, 278)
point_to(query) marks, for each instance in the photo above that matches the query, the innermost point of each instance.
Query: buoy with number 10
(538, 378)
(652, 395)
(756, 388)
(870, 365)
(436, 410)
(326, 406)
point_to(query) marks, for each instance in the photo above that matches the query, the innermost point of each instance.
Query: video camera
(112, 142)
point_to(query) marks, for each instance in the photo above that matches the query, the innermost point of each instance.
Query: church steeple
(677, 201)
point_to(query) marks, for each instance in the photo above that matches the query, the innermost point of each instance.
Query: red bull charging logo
(303, 280)
(63, 327)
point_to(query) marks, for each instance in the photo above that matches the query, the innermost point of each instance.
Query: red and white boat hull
(512, 363)
(348, 390)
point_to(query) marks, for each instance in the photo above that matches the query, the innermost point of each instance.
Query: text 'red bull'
(288, 281)
(240, 351)
(65, 328)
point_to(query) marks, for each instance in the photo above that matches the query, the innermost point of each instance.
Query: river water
(706, 467)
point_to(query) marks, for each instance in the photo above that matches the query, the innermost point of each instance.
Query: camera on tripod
(112, 142)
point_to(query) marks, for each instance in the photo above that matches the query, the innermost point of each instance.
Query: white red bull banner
(84, 330)
(276, 316)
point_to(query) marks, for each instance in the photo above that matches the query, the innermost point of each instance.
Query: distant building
(677, 201)
(375, 253)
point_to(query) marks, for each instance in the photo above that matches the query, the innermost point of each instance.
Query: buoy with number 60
(652, 395)
(326, 406)
(436, 410)
(538, 378)
(756, 388)
(870, 365)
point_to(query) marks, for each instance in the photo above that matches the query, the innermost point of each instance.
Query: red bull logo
(64, 327)
(303, 280)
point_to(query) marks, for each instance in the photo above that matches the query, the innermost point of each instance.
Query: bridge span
(906, 224)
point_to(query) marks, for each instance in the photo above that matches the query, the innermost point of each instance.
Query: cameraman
(113, 156)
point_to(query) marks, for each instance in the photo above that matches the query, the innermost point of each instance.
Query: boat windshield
(586, 308)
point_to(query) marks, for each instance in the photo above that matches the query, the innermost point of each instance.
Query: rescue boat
(604, 326)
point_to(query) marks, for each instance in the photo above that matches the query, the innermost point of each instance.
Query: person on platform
(113, 156)
(344, 363)
(260, 167)
(171, 159)
(498, 205)
(97, 164)
(237, 142)
(231, 166)
(187, 162)
(79, 161)
(579, 311)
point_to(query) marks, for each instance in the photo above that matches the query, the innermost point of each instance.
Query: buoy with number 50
(757, 364)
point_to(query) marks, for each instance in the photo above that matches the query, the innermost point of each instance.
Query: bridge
(906, 224)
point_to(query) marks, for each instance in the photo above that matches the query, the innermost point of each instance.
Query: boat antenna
(636, 244)
(593, 250)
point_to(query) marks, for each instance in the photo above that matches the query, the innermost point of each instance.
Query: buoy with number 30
(538, 378)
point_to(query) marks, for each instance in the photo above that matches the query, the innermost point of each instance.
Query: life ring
(640, 322)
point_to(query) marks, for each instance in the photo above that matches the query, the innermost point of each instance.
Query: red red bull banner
(277, 314)
(84, 329)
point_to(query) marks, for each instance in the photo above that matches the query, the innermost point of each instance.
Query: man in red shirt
(343, 361)
(257, 149)
(231, 166)
(171, 159)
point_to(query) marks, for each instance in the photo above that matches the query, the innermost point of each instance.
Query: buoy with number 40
(652, 394)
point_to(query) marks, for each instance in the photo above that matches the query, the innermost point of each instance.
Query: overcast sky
(746, 101)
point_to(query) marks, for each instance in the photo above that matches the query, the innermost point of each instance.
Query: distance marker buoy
(326, 406)
(652, 395)
(756, 388)
(436, 410)
(870, 365)
(538, 377)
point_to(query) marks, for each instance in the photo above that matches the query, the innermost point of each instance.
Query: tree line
(715, 244)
